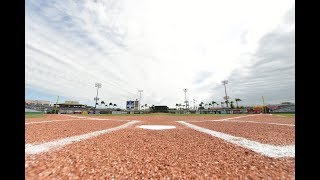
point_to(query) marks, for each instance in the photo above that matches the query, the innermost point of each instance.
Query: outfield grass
(33, 114)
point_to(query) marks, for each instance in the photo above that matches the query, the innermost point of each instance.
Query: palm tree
(209, 105)
(201, 105)
(142, 106)
(221, 103)
(231, 104)
(237, 99)
(114, 105)
(213, 102)
(217, 104)
(227, 102)
(177, 105)
(145, 106)
(102, 102)
(110, 104)
(180, 106)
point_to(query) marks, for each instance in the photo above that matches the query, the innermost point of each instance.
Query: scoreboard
(130, 105)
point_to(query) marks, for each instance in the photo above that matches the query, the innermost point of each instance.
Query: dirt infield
(135, 153)
(264, 133)
(34, 133)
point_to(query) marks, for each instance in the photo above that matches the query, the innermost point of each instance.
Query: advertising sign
(130, 105)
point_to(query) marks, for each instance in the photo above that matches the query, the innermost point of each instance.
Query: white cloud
(158, 46)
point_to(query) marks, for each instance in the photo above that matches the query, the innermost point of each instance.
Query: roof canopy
(70, 103)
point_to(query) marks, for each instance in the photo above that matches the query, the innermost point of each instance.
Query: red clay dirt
(263, 133)
(48, 117)
(267, 118)
(44, 132)
(135, 153)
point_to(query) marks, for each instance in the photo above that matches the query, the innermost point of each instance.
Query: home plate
(156, 127)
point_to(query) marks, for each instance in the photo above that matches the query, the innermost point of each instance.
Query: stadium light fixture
(194, 104)
(185, 96)
(224, 82)
(97, 85)
(140, 91)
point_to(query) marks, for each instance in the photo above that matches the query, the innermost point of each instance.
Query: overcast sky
(161, 47)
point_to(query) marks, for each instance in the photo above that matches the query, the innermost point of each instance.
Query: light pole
(185, 97)
(140, 91)
(97, 85)
(224, 82)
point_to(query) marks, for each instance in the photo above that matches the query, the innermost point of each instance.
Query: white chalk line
(264, 149)
(39, 122)
(98, 118)
(82, 118)
(40, 148)
(227, 118)
(281, 116)
(279, 124)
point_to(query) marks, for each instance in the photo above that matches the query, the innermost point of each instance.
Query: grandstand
(71, 107)
(31, 110)
(290, 108)
(38, 106)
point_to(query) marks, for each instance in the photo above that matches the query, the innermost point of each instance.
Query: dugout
(163, 109)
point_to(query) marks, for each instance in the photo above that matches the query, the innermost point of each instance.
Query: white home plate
(156, 127)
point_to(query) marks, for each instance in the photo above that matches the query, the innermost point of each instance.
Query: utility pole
(264, 109)
(140, 91)
(224, 82)
(194, 101)
(97, 85)
(56, 106)
(185, 97)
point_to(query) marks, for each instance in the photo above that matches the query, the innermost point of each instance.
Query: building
(38, 105)
(136, 105)
(36, 102)
(284, 108)
(71, 107)
(163, 109)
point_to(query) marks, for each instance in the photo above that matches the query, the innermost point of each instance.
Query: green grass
(33, 114)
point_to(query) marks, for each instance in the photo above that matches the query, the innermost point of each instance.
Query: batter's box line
(264, 149)
(44, 147)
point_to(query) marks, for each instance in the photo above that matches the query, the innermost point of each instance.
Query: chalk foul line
(93, 118)
(243, 121)
(225, 119)
(40, 148)
(39, 122)
(264, 149)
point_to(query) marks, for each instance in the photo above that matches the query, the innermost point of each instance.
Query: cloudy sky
(161, 47)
